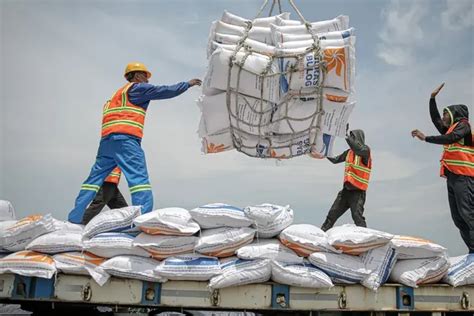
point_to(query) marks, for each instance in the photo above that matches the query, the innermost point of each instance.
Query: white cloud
(458, 14)
(401, 32)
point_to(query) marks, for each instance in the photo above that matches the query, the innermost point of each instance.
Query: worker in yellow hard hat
(122, 130)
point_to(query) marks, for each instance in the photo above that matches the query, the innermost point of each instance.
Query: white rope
(266, 137)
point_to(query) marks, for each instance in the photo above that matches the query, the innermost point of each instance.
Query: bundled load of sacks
(225, 246)
(281, 97)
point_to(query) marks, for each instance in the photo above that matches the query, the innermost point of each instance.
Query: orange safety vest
(121, 116)
(457, 157)
(356, 173)
(114, 176)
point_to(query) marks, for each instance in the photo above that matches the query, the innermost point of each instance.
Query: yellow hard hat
(137, 67)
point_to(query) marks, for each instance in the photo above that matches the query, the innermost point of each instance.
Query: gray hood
(358, 135)
(457, 112)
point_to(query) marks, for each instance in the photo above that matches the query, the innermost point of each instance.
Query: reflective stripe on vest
(457, 157)
(356, 173)
(121, 116)
(114, 176)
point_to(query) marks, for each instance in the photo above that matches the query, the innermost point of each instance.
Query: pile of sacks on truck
(225, 246)
(276, 89)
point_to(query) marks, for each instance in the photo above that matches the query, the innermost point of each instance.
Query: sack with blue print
(114, 220)
(461, 271)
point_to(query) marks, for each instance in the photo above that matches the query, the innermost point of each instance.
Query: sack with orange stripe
(413, 272)
(167, 221)
(416, 248)
(19, 235)
(304, 239)
(82, 263)
(28, 263)
(355, 240)
(108, 245)
(162, 246)
(224, 241)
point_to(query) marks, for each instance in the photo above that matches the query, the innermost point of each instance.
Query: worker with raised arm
(457, 162)
(356, 180)
(123, 120)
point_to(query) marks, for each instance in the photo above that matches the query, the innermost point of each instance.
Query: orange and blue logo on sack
(335, 58)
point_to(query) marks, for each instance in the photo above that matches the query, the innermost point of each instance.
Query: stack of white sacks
(275, 115)
(223, 245)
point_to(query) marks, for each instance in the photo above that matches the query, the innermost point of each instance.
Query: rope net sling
(266, 142)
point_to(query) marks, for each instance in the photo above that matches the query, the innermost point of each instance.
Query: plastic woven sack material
(68, 226)
(268, 249)
(111, 220)
(108, 245)
(318, 27)
(341, 268)
(380, 262)
(56, 242)
(28, 263)
(163, 246)
(167, 221)
(191, 267)
(279, 37)
(413, 272)
(224, 241)
(356, 240)
(216, 215)
(416, 248)
(337, 24)
(270, 219)
(286, 22)
(339, 72)
(235, 272)
(25, 230)
(133, 267)
(258, 33)
(234, 19)
(461, 271)
(301, 275)
(82, 263)
(304, 239)
(7, 212)
(249, 84)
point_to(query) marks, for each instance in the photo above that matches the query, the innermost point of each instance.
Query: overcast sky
(61, 60)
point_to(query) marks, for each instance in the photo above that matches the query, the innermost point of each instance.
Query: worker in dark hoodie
(457, 162)
(356, 180)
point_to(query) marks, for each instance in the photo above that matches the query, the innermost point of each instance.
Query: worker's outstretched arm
(434, 113)
(338, 159)
(436, 117)
(459, 132)
(143, 92)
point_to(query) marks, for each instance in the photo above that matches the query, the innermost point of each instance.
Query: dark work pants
(461, 203)
(109, 195)
(353, 199)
